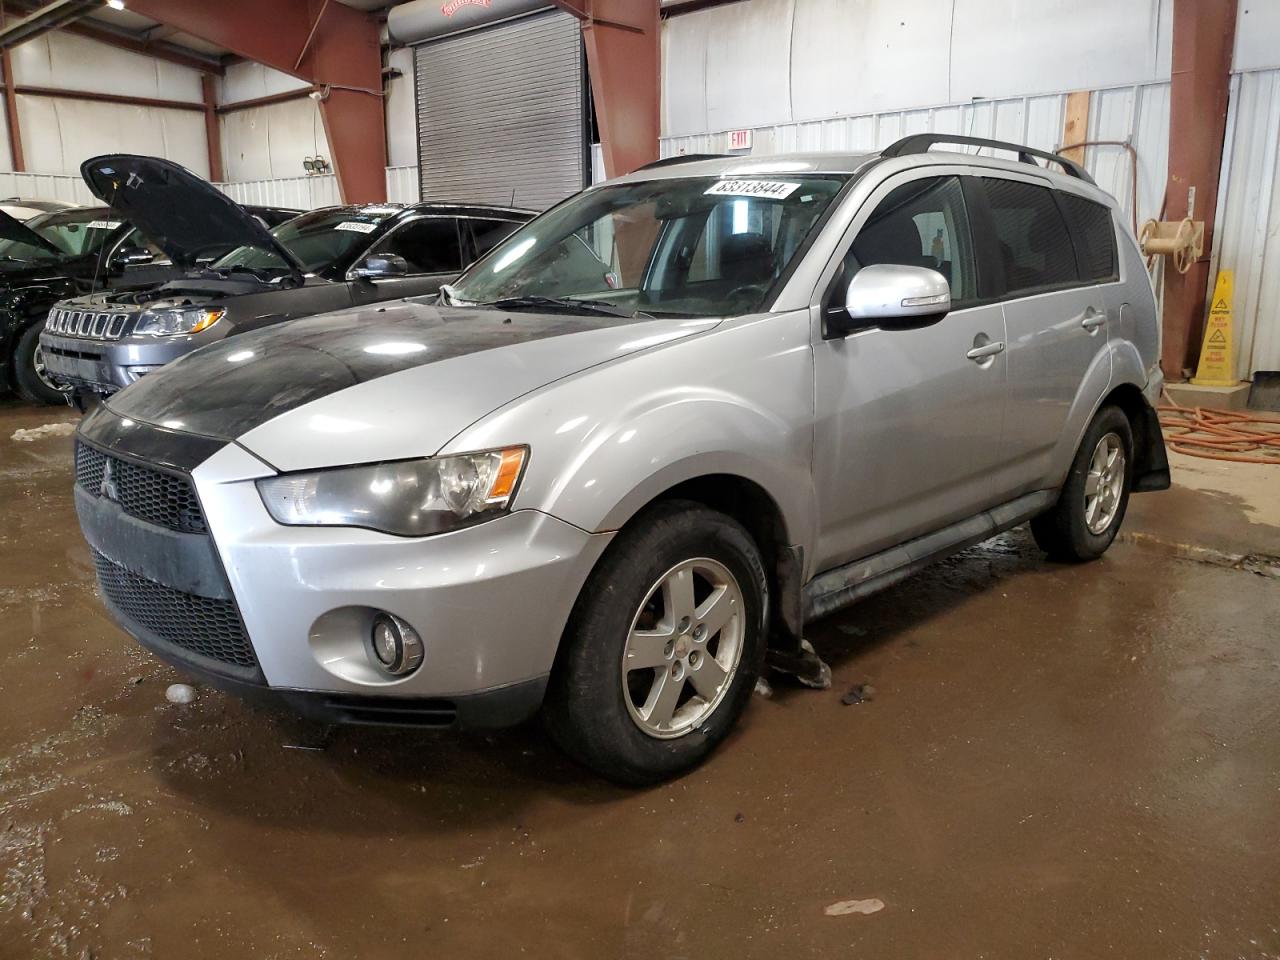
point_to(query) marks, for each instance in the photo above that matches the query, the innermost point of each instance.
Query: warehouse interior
(1004, 755)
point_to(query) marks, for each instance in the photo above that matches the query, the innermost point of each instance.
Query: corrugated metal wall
(1137, 114)
(501, 113)
(307, 193)
(1248, 220)
(762, 62)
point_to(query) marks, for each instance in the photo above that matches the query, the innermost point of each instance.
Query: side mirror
(132, 257)
(380, 266)
(893, 297)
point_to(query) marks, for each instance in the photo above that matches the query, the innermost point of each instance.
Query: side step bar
(841, 586)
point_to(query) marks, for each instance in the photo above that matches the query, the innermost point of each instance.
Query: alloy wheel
(1104, 483)
(684, 648)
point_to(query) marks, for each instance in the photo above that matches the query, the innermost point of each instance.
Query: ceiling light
(115, 4)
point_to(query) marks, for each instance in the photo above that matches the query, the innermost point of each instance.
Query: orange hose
(1220, 434)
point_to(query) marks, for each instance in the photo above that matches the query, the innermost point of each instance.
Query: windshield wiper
(567, 304)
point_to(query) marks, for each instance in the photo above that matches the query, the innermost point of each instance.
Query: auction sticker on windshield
(766, 189)
(102, 224)
(357, 226)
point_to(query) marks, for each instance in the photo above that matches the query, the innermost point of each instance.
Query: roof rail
(921, 142)
(683, 158)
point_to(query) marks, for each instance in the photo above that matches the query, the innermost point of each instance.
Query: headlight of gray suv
(177, 321)
(410, 498)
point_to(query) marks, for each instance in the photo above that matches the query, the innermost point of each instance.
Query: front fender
(605, 442)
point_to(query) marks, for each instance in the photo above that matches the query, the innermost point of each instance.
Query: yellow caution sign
(1216, 367)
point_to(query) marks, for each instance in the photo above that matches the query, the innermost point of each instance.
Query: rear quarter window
(1032, 239)
(1095, 238)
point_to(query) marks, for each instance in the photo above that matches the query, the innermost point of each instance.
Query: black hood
(186, 216)
(19, 232)
(236, 384)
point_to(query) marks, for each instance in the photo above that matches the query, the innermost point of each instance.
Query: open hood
(19, 232)
(187, 217)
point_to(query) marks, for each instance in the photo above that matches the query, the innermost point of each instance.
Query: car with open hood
(324, 260)
(66, 253)
(633, 450)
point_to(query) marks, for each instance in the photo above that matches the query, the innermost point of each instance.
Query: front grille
(151, 495)
(86, 323)
(201, 625)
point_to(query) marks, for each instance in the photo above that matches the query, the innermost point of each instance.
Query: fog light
(396, 645)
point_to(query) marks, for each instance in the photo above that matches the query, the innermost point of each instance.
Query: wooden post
(1075, 125)
(11, 113)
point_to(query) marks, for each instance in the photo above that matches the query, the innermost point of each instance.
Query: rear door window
(1095, 238)
(1032, 239)
(428, 245)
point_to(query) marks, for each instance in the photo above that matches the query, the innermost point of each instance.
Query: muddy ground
(1054, 762)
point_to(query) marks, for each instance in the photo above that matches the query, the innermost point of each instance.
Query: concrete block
(1213, 398)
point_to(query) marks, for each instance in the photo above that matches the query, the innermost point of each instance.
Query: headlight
(171, 323)
(411, 498)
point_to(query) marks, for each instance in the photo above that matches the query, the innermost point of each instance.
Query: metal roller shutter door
(502, 110)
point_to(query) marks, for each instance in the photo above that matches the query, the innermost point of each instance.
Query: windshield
(75, 234)
(689, 247)
(318, 240)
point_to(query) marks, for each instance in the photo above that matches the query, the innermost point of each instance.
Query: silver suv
(633, 450)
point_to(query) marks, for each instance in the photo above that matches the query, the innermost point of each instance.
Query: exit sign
(739, 139)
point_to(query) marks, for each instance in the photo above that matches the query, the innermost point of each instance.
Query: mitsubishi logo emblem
(107, 488)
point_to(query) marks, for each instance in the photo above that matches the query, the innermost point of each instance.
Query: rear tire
(1092, 502)
(663, 647)
(29, 378)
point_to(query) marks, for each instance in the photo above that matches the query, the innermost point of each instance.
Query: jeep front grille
(86, 323)
(205, 626)
(165, 499)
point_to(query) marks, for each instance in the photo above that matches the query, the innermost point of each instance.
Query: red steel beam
(125, 99)
(11, 114)
(1203, 33)
(268, 100)
(331, 45)
(212, 127)
(171, 53)
(623, 57)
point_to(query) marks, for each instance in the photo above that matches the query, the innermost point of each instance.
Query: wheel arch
(747, 501)
(1151, 462)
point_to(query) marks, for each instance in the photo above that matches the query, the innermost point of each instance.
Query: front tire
(29, 376)
(1092, 502)
(663, 647)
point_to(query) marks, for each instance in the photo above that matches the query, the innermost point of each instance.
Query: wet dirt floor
(1055, 762)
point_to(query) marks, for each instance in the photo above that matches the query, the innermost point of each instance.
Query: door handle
(1093, 319)
(986, 350)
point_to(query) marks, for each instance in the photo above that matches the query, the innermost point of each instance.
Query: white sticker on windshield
(103, 224)
(766, 189)
(357, 227)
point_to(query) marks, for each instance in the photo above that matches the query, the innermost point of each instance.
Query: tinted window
(318, 239)
(429, 245)
(920, 224)
(1095, 237)
(1034, 245)
(487, 234)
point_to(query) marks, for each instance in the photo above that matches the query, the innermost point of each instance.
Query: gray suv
(618, 465)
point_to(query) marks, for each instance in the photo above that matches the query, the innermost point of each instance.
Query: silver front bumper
(490, 601)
